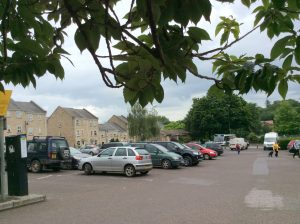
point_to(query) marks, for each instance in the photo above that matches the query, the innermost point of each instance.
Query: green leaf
(278, 3)
(129, 95)
(287, 62)
(80, 40)
(198, 34)
(297, 55)
(159, 93)
(246, 3)
(219, 27)
(224, 37)
(283, 88)
(278, 47)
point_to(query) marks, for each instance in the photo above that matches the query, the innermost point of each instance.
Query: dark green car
(161, 157)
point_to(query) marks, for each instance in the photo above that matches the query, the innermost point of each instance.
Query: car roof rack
(46, 137)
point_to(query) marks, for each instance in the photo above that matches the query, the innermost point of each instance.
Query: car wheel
(129, 171)
(87, 168)
(35, 166)
(206, 157)
(144, 172)
(91, 153)
(166, 164)
(187, 161)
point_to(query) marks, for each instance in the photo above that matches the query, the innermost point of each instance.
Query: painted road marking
(263, 200)
(260, 167)
(40, 178)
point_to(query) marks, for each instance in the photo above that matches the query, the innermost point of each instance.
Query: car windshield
(142, 151)
(179, 145)
(270, 139)
(161, 148)
(74, 151)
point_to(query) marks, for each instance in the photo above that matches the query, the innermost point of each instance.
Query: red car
(207, 153)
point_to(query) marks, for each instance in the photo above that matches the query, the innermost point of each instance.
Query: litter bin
(16, 156)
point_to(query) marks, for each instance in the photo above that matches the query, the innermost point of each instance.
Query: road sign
(4, 101)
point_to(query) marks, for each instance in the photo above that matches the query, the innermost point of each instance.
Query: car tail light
(138, 157)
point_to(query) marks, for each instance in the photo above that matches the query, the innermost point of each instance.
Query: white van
(241, 141)
(269, 140)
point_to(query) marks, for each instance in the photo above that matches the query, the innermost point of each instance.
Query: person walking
(296, 150)
(276, 148)
(238, 148)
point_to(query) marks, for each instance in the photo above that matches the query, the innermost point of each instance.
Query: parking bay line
(40, 178)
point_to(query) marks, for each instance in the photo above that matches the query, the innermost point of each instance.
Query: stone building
(116, 128)
(78, 126)
(25, 118)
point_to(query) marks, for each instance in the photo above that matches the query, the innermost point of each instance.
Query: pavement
(18, 201)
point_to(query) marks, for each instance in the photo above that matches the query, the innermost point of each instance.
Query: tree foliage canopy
(155, 39)
(221, 114)
(142, 124)
(287, 119)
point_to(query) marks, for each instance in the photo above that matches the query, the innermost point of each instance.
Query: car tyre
(88, 169)
(129, 171)
(206, 157)
(35, 166)
(187, 161)
(166, 164)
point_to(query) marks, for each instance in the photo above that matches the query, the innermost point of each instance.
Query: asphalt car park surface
(246, 188)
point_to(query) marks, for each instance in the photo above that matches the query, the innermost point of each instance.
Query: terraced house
(26, 118)
(78, 126)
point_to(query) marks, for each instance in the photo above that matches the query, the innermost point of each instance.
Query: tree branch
(3, 29)
(90, 48)
(220, 49)
(154, 33)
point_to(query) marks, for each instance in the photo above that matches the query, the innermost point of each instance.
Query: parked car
(90, 149)
(207, 153)
(161, 157)
(190, 157)
(127, 160)
(48, 152)
(76, 156)
(241, 141)
(112, 144)
(214, 146)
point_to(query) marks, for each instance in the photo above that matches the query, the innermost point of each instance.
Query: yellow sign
(4, 101)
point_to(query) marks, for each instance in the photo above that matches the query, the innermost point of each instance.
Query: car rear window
(142, 151)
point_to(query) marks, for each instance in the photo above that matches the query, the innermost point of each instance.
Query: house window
(77, 122)
(77, 133)
(18, 114)
(30, 131)
(95, 133)
(19, 129)
(30, 117)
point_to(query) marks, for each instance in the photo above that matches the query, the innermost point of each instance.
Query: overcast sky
(82, 86)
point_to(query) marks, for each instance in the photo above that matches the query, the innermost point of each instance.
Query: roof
(79, 113)
(124, 119)
(29, 107)
(110, 127)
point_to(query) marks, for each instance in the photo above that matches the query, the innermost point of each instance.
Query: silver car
(123, 159)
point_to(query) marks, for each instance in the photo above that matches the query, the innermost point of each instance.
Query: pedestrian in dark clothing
(238, 148)
(296, 150)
